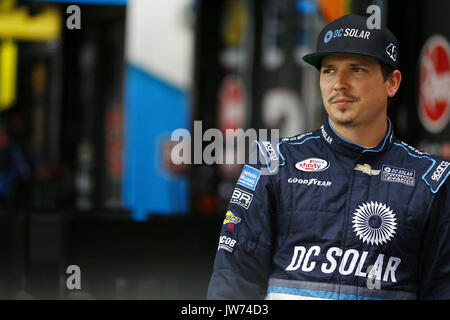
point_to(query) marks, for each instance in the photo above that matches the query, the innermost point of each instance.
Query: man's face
(353, 89)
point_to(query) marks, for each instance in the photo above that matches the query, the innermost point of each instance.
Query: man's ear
(393, 83)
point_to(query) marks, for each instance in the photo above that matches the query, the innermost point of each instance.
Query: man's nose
(341, 83)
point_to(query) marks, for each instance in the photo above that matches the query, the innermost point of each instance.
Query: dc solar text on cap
(350, 34)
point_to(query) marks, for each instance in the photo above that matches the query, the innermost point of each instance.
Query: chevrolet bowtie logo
(367, 169)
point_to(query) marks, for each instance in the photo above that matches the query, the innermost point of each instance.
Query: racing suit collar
(339, 144)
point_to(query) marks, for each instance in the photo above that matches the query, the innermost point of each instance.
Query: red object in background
(114, 142)
(208, 204)
(4, 141)
(434, 84)
(176, 169)
(231, 104)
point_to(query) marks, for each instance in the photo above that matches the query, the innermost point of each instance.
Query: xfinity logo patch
(241, 198)
(312, 165)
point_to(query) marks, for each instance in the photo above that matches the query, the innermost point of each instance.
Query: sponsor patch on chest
(398, 175)
(312, 165)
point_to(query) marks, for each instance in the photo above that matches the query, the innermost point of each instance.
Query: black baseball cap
(350, 34)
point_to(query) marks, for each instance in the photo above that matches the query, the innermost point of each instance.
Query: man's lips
(341, 102)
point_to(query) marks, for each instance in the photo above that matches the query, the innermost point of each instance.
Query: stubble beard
(339, 118)
(338, 114)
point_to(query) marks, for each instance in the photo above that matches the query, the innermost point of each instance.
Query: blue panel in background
(153, 110)
(306, 7)
(105, 2)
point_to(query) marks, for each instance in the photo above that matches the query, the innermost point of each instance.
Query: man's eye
(358, 69)
(327, 71)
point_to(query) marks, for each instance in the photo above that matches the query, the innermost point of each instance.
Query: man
(353, 212)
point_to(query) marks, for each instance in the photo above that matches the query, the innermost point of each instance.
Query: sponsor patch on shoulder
(270, 150)
(242, 198)
(249, 177)
(437, 174)
(231, 219)
(312, 165)
(399, 175)
(440, 170)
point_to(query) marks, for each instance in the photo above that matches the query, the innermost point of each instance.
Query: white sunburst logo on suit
(374, 223)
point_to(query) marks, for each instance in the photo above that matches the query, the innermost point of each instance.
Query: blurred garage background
(91, 90)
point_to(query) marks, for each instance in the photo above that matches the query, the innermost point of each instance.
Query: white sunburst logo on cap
(374, 223)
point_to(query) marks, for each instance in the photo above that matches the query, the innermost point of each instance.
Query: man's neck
(368, 136)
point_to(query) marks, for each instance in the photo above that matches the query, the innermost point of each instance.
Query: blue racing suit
(337, 221)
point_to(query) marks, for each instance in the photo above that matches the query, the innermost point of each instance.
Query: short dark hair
(386, 70)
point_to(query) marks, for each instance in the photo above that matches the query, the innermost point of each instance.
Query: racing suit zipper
(346, 218)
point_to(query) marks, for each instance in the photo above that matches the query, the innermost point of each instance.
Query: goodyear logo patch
(249, 177)
(231, 219)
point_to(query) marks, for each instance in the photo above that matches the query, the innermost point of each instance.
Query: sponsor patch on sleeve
(231, 220)
(226, 243)
(241, 198)
(270, 150)
(437, 175)
(249, 177)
